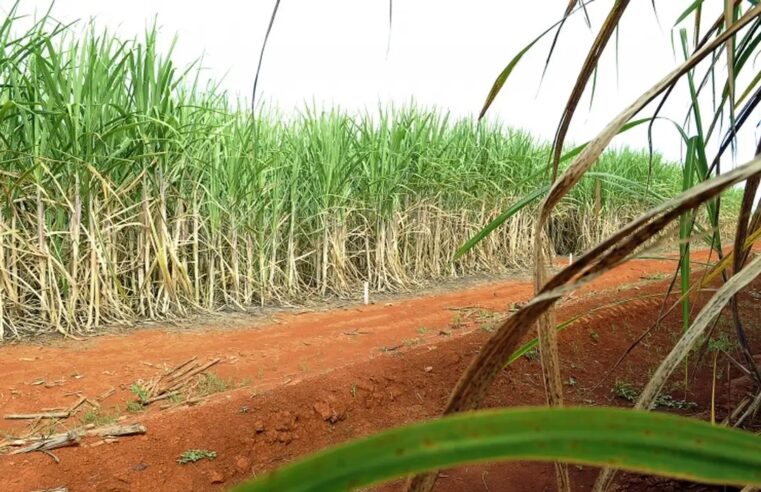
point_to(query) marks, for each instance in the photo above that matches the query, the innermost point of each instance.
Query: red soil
(317, 379)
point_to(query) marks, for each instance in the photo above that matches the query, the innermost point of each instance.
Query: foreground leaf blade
(638, 441)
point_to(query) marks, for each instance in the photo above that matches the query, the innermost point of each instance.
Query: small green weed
(628, 392)
(532, 354)
(625, 391)
(489, 319)
(193, 455)
(722, 343)
(176, 399)
(514, 306)
(140, 392)
(666, 401)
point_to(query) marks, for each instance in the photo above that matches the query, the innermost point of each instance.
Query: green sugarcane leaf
(648, 442)
(514, 209)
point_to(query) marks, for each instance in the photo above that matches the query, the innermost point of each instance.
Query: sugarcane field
(390, 246)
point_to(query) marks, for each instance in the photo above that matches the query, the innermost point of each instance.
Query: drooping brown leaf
(568, 10)
(591, 152)
(548, 347)
(587, 69)
(499, 82)
(744, 221)
(261, 57)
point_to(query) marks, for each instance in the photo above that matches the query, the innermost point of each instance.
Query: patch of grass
(176, 399)
(628, 392)
(625, 391)
(594, 336)
(667, 401)
(488, 319)
(457, 321)
(135, 407)
(193, 455)
(422, 330)
(514, 306)
(210, 383)
(139, 392)
(722, 343)
(98, 417)
(412, 342)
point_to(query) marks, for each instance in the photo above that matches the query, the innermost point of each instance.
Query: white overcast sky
(443, 53)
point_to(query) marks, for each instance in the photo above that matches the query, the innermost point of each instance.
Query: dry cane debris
(71, 438)
(172, 383)
(54, 413)
(179, 380)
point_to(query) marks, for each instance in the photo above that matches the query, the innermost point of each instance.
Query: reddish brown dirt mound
(397, 364)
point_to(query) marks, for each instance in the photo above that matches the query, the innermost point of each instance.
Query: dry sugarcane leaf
(261, 56)
(548, 347)
(568, 10)
(592, 151)
(593, 56)
(740, 258)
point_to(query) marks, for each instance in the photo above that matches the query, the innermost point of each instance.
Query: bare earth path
(315, 379)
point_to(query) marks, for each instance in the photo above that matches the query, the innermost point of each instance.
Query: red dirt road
(316, 379)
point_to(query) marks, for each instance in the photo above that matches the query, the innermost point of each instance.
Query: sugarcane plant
(132, 190)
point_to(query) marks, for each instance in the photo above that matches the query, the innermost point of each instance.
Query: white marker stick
(367, 293)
